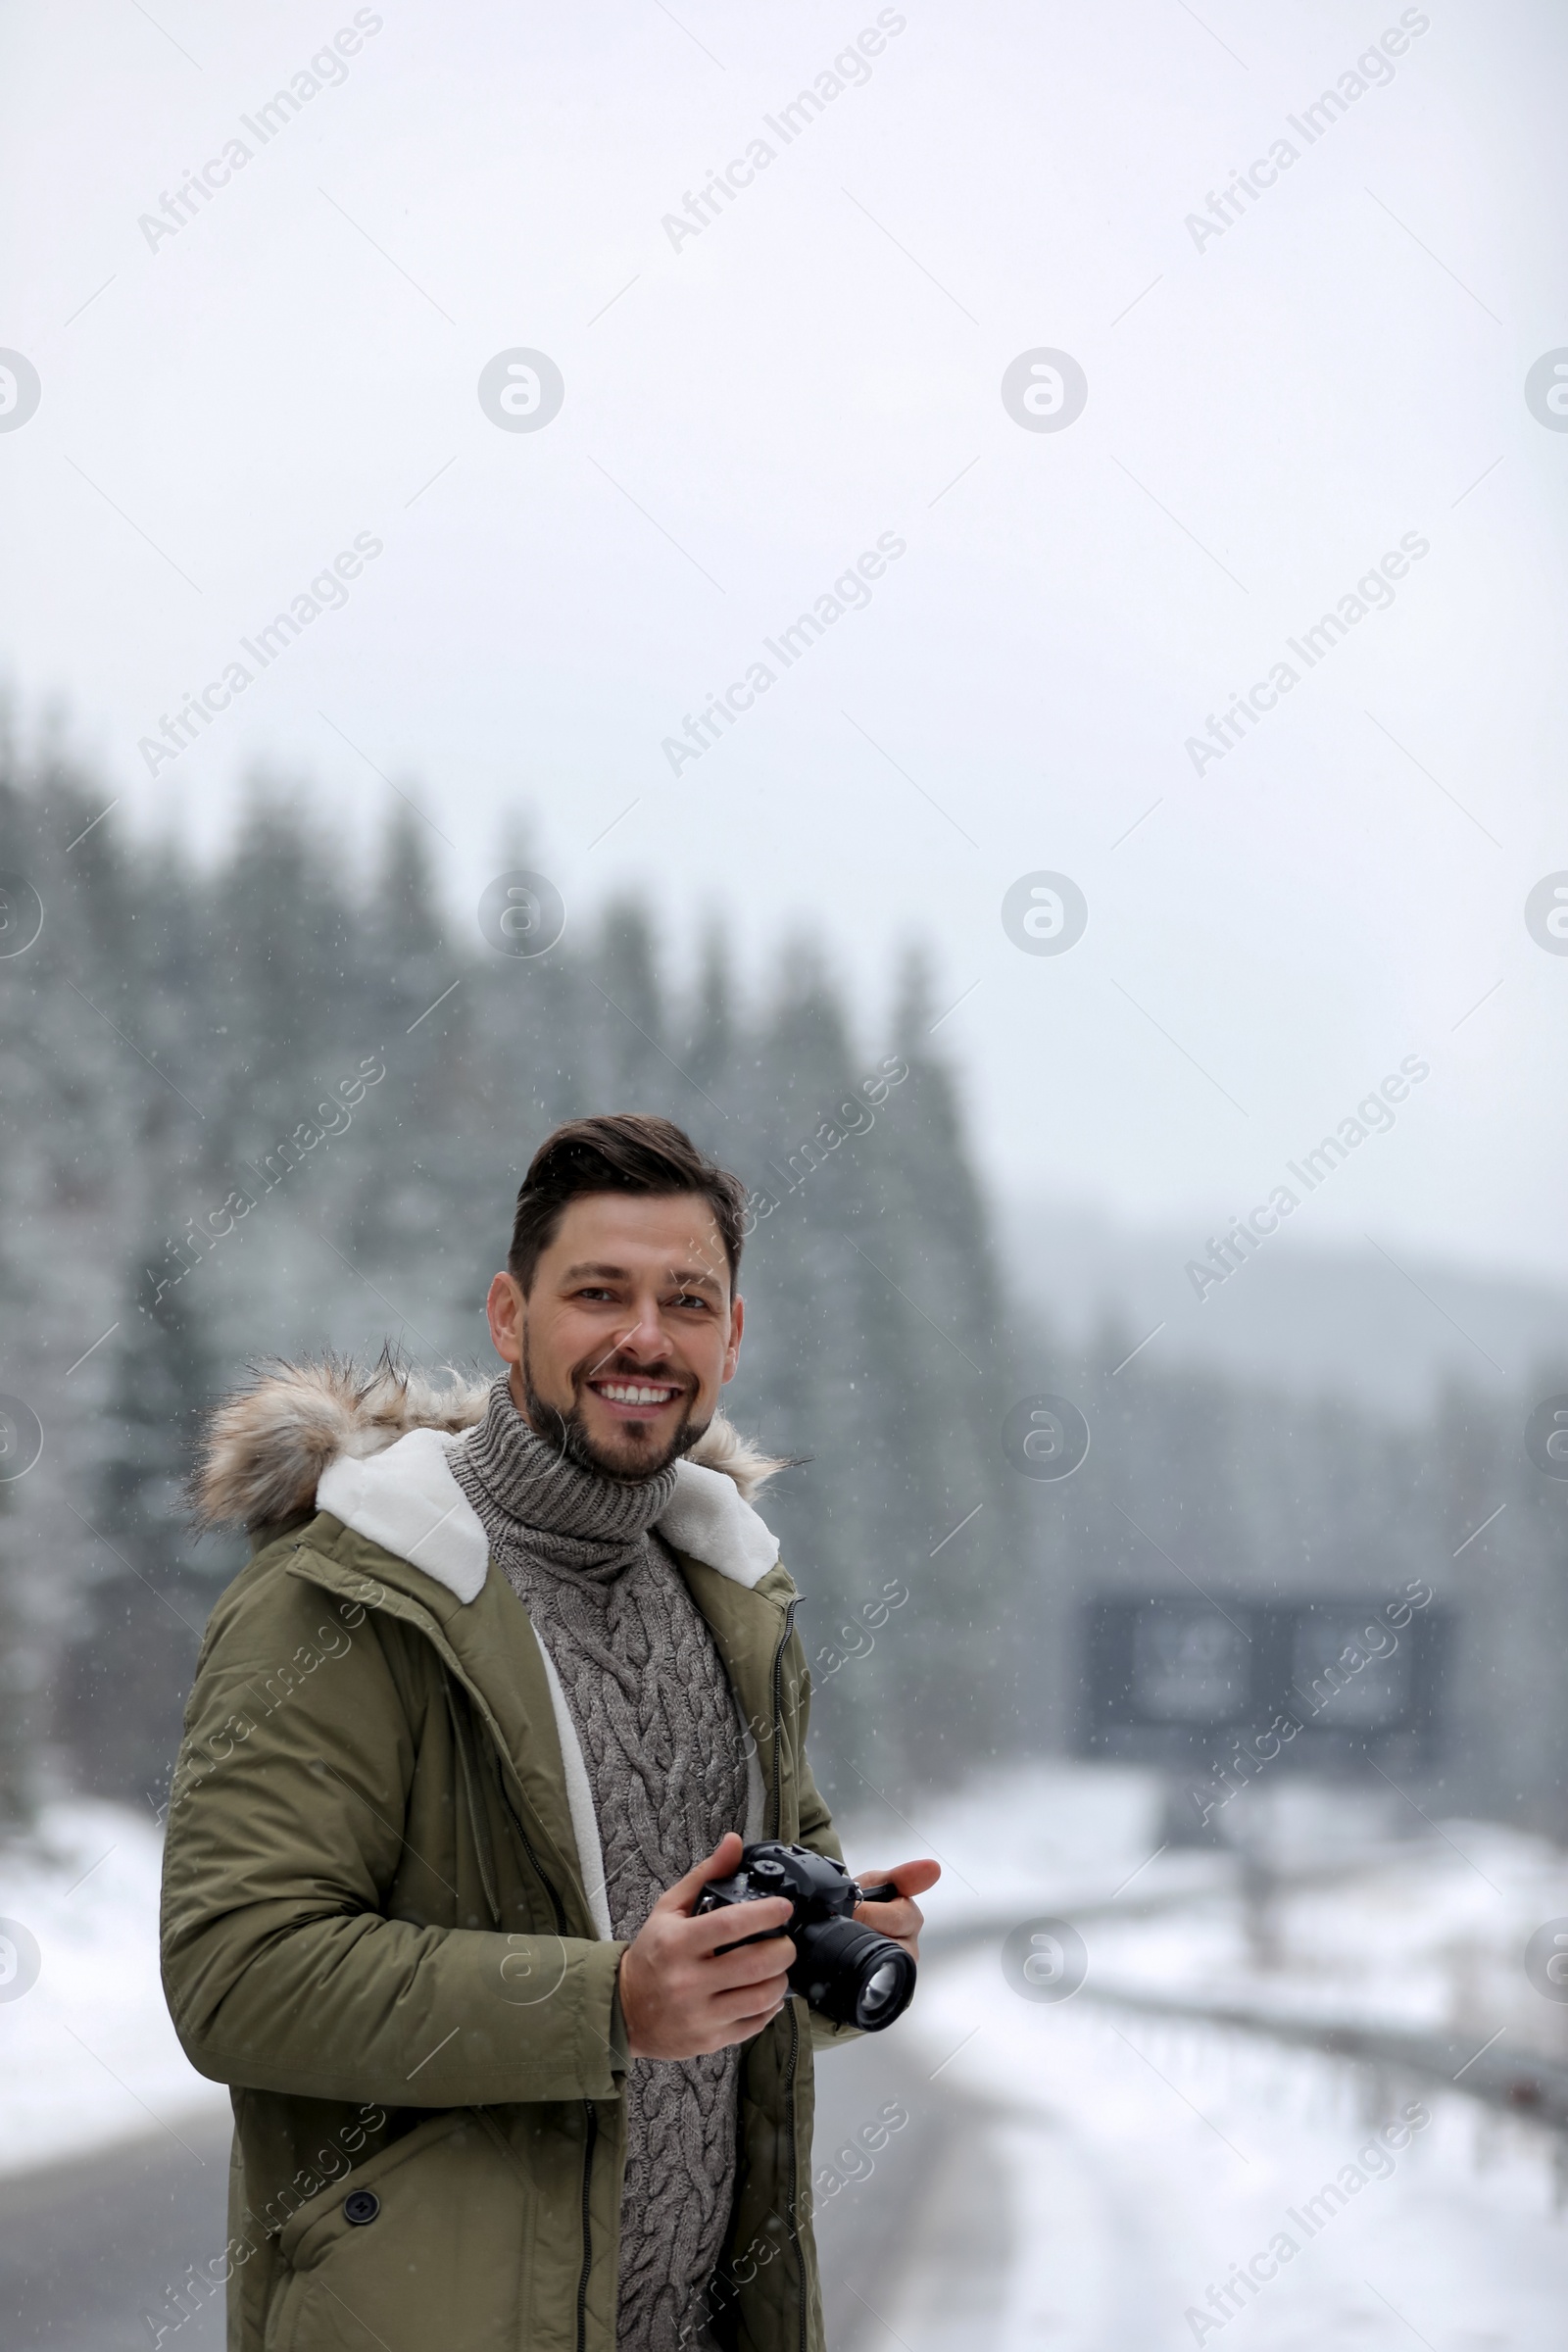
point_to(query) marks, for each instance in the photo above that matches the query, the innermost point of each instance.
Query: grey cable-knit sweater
(661, 1742)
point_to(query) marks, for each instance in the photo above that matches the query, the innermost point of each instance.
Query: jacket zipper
(587, 2224)
(776, 1816)
(777, 1807)
(791, 2064)
(795, 2169)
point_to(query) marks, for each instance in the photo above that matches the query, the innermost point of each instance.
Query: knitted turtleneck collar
(579, 1523)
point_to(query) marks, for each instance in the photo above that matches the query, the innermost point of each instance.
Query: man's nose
(647, 1340)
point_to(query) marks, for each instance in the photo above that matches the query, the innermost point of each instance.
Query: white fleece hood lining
(406, 1499)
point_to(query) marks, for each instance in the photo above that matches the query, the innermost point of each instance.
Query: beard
(644, 1457)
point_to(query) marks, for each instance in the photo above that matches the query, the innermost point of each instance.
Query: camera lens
(880, 1987)
(851, 1974)
(886, 1987)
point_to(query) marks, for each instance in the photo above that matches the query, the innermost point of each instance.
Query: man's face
(627, 1333)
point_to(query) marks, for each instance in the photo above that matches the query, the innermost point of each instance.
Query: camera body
(848, 1971)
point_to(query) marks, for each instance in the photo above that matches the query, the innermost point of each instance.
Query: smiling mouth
(637, 1400)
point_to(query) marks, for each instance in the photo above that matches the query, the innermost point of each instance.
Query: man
(508, 1678)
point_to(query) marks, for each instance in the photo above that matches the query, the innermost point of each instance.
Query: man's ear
(737, 1324)
(506, 1311)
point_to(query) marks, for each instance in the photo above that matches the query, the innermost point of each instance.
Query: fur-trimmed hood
(292, 1438)
(267, 1447)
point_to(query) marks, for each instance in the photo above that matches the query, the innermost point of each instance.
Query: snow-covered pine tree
(129, 1671)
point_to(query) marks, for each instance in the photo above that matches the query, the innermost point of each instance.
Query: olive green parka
(378, 1931)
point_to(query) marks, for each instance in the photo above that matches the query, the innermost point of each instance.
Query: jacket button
(360, 2206)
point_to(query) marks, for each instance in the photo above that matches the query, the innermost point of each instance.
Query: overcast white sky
(223, 412)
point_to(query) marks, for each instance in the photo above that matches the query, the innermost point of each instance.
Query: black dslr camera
(851, 1973)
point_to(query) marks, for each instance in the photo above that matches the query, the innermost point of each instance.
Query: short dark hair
(628, 1152)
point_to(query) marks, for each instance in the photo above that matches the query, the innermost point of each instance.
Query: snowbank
(87, 2053)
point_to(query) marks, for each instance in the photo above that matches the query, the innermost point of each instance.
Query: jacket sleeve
(287, 1826)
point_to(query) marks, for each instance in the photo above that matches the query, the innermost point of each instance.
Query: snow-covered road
(1166, 2186)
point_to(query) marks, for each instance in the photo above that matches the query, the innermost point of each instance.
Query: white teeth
(622, 1394)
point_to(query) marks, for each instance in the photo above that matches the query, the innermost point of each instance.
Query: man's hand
(678, 1998)
(901, 1919)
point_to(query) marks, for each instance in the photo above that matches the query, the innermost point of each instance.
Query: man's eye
(689, 1298)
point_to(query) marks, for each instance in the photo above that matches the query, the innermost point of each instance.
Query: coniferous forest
(272, 1107)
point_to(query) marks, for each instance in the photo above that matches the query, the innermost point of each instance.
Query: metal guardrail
(1519, 2083)
(1512, 2080)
